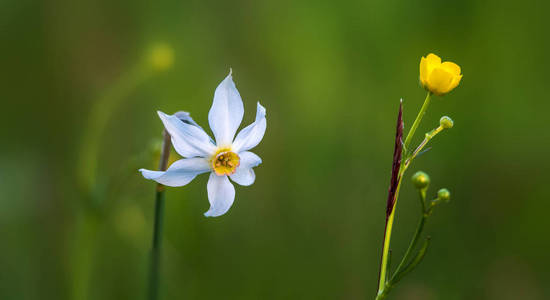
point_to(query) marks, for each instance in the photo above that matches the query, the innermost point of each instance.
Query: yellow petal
(440, 81)
(427, 64)
(451, 67)
(456, 81)
(434, 61)
(423, 71)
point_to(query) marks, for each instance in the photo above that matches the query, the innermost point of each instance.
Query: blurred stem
(83, 249)
(159, 218)
(101, 112)
(89, 214)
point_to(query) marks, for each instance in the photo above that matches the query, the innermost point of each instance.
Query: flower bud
(421, 180)
(446, 122)
(444, 195)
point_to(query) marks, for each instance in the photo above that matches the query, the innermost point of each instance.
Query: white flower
(227, 157)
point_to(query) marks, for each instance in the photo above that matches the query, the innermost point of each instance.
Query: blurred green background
(76, 223)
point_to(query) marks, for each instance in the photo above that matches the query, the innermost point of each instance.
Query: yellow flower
(161, 57)
(439, 78)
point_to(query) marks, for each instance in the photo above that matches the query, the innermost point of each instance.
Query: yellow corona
(225, 162)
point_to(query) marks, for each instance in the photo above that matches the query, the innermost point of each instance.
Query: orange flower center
(225, 162)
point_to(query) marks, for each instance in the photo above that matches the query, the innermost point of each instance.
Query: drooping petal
(221, 194)
(226, 113)
(244, 175)
(252, 134)
(180, 172)
(188, 140)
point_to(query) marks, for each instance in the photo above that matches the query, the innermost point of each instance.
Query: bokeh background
(79, 93)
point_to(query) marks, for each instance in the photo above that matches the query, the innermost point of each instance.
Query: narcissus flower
(227, 157)
(439, 78)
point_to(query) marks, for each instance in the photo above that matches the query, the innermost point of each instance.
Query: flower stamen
(225, 162)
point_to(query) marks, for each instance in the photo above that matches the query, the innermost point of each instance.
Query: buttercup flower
(227, 157)
(439, 78)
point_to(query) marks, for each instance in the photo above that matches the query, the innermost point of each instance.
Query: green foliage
(330, 75)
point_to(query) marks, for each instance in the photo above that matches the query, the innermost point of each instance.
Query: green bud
(421, 180)
(446, 122)
(444, 195)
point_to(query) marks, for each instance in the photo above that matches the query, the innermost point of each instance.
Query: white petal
(221, 194)
(186, 118)
(188, 140)
(180, 172)
(226, 113)
(244, 177)
(244, 174)
(252, 134)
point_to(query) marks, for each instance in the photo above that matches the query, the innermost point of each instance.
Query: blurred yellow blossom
(161, 57)
(439, 78)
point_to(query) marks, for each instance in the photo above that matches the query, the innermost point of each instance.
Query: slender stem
(414, 240)
(383, 286)
(428, 137)
(387, 286)
(91, 206)
(414, 262)
(422, 198)
(418, 119)
(385, 253)
(100, 114)
(156, 249)
(159, 216)
(384, 293)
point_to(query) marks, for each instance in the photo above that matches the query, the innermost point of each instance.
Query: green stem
(414, 240)
(89, 214)
(159, 218)
(414, 262)
(418, 119)
(385, 254)
(384, 293)
(101, 113)
(156, 249)
(388, 285)
(383, 286)
(83, 250)
(427, 138)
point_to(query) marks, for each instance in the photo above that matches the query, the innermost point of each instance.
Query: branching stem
(383, 285)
